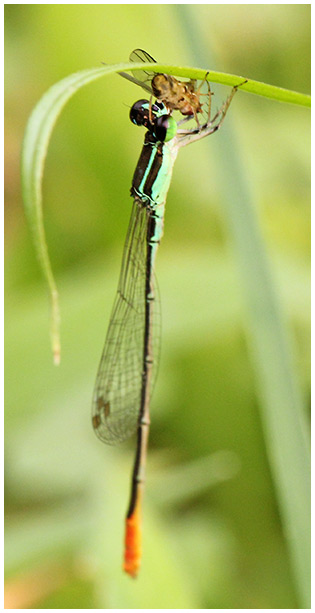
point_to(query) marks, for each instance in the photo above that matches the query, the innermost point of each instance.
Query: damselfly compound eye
(165, 128)
(139, 113)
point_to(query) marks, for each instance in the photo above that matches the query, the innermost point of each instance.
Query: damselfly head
(140, 113)
(160, 124)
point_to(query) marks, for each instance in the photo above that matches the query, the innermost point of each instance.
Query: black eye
(165, 128)
(160, 127)
(139, 113)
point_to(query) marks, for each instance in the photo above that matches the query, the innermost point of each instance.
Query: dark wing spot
(96, 421)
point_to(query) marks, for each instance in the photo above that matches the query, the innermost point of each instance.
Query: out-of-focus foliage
(219, 544)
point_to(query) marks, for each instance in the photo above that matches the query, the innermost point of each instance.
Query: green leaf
(39, 129)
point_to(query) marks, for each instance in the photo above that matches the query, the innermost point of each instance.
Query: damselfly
(174, 94)
(129, 361)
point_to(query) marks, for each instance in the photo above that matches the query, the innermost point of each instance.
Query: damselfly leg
(186, 137)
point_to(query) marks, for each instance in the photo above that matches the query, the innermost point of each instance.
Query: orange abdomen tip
(133, 549)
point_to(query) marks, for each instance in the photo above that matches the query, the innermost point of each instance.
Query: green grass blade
(37, 136)
(252, 87)
(34, 150)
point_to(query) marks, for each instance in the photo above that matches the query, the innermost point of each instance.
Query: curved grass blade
(39, 129)
(34, 150)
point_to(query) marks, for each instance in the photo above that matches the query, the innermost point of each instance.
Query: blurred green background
(212, 531)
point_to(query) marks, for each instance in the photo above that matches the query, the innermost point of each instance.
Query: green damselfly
(128, 364)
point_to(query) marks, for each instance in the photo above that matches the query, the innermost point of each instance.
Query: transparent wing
(142, 78)
(139, 55)
(117, 392)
